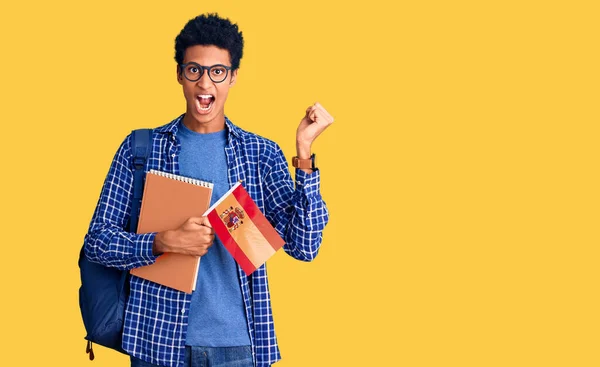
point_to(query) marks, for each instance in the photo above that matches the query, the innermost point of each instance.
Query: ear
(233, 78)
(179, 75)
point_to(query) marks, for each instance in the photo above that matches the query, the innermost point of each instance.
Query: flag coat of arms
(243, 229)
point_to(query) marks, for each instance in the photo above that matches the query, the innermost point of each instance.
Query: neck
(214, 125)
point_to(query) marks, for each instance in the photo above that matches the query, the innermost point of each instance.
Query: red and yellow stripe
(255, 240)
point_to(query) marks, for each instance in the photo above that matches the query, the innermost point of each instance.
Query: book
(168, 201)
(243, 229)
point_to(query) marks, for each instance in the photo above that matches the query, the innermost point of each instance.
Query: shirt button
(173, 155)
(308, 215)
(183, 310)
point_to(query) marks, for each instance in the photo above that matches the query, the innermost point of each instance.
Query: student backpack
(104, 290)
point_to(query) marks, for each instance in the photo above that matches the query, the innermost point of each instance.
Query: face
(205, 99)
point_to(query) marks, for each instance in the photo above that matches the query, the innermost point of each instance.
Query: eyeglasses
(194, 71)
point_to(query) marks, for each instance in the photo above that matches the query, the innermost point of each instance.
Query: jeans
(210, 357)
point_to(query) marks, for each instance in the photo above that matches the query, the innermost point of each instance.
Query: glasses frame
(202, 68)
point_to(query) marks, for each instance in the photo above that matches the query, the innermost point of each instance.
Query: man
(228, 319)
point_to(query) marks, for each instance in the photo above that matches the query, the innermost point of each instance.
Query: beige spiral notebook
(168, 201)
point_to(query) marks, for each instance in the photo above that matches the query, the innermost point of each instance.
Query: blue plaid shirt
(156, 316)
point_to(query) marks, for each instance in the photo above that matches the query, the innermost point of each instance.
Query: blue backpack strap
(104, 291)
(141, 147)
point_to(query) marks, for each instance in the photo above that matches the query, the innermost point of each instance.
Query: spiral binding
(189, 180)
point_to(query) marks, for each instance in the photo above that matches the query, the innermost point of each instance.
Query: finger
(310, 112)
(206, 222)
(206, 231)
(195, 220)
(321, 108)
(310, 108)
(317, 116)
(208, 241)
(327, 115)
(321, 118)
(204, 240)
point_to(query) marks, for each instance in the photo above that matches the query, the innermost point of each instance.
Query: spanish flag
(243, 229)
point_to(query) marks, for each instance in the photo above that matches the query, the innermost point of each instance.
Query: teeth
(205, 96)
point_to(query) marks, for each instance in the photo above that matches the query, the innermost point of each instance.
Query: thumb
(196, 220)
(205, 222)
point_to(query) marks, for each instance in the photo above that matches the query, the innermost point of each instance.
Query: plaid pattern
(156, 317)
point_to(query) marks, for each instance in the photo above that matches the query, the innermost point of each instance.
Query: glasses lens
(218, 73)
(192, 72)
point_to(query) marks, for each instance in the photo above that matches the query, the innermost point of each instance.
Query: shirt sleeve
(298, 211)
(106, 241)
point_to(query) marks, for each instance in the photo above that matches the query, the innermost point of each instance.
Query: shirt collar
(173, 127)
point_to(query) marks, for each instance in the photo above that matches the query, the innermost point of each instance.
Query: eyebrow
(195, 62)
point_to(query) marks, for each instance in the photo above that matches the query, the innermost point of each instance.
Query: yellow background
(461, 172)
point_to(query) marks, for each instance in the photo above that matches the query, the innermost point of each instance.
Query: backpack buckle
(138, 162)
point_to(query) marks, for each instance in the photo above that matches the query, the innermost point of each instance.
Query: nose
(204, 79)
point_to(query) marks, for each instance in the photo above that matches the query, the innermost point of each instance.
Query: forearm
(303, 234)
(297, 212)
(303, 244)
(113, 247)
(305, 224)
(107, 242)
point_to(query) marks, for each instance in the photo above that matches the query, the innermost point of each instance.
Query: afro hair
(210, 29)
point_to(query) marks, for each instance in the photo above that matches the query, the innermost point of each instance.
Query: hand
(314, 122)
(194, 237)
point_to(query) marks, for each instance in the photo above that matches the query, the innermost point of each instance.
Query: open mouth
(204, 102)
